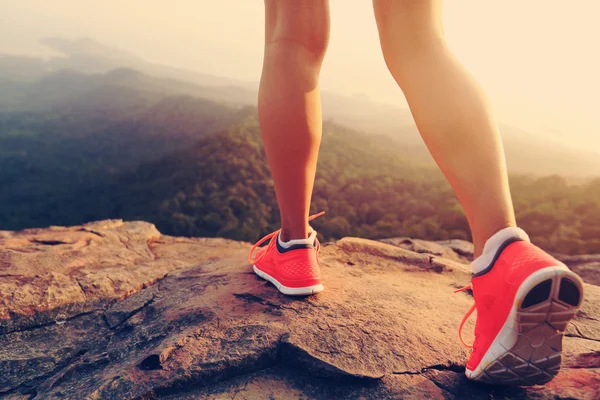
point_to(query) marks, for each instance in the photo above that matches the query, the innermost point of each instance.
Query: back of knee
(313, 47)
(301, 26)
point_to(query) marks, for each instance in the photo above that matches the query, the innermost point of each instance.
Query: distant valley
(102, 134)
(526, 153)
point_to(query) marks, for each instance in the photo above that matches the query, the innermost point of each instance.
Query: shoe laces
(272, 242)
(465, 318)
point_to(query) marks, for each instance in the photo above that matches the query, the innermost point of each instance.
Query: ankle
(288, 234)
(493, 244)
(481, 237)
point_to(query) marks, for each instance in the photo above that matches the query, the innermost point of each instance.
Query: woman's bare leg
(289, 104)
(450, 110)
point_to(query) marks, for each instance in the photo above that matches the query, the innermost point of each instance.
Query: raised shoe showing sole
(527, 350)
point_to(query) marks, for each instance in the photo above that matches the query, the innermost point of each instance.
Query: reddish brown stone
(116, 310)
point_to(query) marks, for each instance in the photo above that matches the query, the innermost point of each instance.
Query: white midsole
(508, 335)
(303, 291)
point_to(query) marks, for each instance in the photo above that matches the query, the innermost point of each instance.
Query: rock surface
(455, 249)
(587, 265)
(114, 310)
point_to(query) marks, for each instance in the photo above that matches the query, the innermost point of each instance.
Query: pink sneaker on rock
(524, 300)
(293, 267)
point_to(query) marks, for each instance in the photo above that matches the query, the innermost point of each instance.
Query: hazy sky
(538, 59)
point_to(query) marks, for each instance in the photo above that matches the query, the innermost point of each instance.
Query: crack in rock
(55, 322)
(93, 232)
(580, 335)
(436, 367)
(82, 288)
(250, 298)
(48, 242)
(110, 320)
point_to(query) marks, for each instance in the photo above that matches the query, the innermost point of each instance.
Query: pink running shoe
(524, 300)
(293, 270)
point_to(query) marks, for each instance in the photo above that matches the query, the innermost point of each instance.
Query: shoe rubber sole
(527, 350)
(301, 291)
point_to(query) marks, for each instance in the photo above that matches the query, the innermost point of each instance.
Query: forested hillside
(221, 187)
(76, 148)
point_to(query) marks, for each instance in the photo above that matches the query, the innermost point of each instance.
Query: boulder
(455, 249)
(586, 265)
(115, 310)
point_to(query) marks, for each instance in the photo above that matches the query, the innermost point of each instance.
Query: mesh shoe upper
(294, 267)
(495, 291)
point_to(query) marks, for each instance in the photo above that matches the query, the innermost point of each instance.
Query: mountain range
(31, 83)
(100, 134)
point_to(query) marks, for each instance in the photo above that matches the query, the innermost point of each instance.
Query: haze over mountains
(102, 134)
(28, 83)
